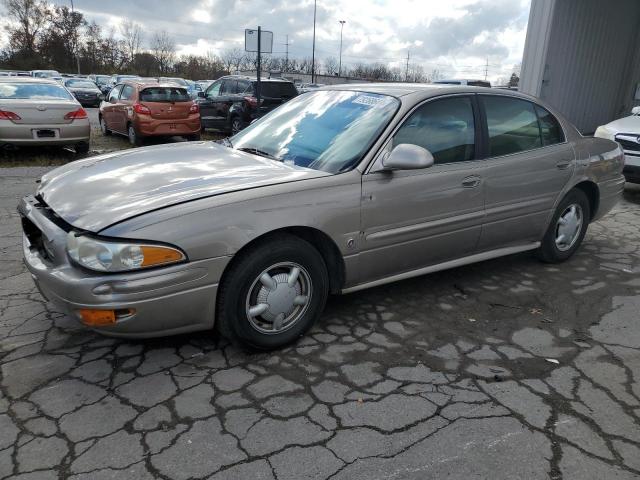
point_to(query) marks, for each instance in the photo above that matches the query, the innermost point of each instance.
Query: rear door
(223, 103)
(529, 163)
(417, 218)
(274, 94)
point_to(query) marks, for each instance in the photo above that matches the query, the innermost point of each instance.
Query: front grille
(34, 235)
(629, 143)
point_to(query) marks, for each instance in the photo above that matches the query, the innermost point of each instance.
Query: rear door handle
(563, 165)
(471, 182)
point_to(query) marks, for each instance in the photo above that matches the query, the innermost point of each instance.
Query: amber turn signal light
(159, 255)
(97, 318)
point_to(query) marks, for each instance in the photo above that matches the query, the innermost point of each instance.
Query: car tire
(193, 138)
(82, 147)
(567, 228)
(134, 138)
(103, 127)
(291, 308)
(236, 125)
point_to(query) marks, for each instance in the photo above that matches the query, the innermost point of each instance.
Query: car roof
(149, 83)
(254, 79)
(28, 80)
(423, 90)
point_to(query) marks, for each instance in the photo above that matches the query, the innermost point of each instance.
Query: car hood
(630, 124)
(97, 192)
(83, 90)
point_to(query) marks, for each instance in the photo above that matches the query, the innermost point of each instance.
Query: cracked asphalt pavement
(507, 369)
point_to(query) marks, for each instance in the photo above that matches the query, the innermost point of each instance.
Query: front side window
(513, 125)
(444, 127)
(127, 93)
(549, 127)
(114, 93)
(214, 90)
(324, 130)
(229, 87)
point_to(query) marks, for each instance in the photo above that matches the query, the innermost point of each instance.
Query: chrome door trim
(478, 257)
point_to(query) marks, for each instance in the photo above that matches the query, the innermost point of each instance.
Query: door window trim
(477, 121)
(534, 104)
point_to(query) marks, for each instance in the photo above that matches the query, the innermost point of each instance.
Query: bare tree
(331, 66)
(232, 59)
(132, 34)
(164, 50)
(31, 17)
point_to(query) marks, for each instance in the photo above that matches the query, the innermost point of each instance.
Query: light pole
(313, 51)
(75, 42)
(342, 22)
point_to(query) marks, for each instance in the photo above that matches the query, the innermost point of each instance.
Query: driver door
(416, 218)
(208, 114)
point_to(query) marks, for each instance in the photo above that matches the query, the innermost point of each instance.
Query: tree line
(43, 36)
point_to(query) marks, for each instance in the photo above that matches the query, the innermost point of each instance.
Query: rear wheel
(567, 229)
(134, 138)
(273, 293)
(103, 127)
(236, 125)
(193, 138)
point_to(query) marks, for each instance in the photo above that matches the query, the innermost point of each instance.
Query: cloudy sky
(453, 36)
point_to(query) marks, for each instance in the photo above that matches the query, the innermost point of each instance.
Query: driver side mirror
(202, 94)
(408, 157)
(635, 111)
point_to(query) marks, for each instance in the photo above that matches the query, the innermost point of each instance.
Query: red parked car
(143, 109)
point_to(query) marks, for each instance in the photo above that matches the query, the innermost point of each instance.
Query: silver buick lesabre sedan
(338, 190)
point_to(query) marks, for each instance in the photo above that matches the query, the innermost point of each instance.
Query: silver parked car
(38, 111)
(338, 190)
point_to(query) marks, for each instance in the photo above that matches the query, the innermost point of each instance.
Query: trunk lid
(97, 192)
(46, 112)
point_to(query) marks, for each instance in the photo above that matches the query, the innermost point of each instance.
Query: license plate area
(46, 133)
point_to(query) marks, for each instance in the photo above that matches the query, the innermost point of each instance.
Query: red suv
(138, 110)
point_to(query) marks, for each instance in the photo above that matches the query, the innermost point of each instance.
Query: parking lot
(505, 369)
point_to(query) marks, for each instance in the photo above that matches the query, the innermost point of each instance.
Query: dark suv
(230, 103)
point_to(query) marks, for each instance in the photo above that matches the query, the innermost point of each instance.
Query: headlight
(603, 132)
(104, 256)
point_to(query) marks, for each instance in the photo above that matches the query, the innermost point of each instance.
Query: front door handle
(471, 182)
(563, 164)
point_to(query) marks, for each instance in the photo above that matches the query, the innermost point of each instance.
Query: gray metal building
(583, 57)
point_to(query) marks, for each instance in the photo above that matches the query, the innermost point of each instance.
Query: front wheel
(273, 293)
(567, 229)
(236, 125)
(103, 127)
(82, 147)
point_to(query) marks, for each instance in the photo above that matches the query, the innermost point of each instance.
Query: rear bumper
(165, 301)
(17, 134)
(148, 127)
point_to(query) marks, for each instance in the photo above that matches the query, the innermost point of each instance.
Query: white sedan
(626, 131)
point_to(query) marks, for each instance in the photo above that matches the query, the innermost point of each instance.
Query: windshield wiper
(259, 152)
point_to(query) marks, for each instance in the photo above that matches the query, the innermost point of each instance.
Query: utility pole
(286, 59)
(342, 22)
(75, 43)
(406, 72)
(258, 70)
(486, 69)
(313, 51)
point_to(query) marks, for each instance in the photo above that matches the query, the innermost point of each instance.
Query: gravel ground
(508, 369)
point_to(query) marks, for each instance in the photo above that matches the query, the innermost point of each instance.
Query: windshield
(46, 74)
(35, 91)
(323, 130)
(80, 84)
(164, 94)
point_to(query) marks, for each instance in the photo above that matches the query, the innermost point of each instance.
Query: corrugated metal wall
(588, 76)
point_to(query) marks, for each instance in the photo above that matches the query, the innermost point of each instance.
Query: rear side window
(127, 93)
(277, 90)
(164, 94)
(549, 127)
(444, 127)
(34, 91)
(513, 125)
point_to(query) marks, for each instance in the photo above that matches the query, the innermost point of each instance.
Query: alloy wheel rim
(235, 126)
(278, 298)
(568, 227)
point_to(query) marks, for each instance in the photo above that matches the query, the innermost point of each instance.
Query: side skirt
(459, 262)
